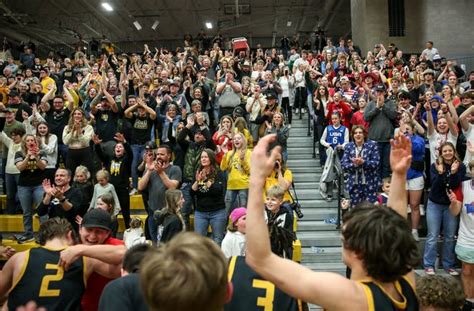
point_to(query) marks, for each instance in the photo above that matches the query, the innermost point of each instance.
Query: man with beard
(60, 200)
(160, 175)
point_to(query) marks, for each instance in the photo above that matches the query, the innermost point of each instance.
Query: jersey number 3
(267, 301)
(44, 289)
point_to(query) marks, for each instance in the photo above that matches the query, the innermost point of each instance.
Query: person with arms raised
(382, 277)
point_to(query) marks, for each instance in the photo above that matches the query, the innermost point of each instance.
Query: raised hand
(119, 137)
(454, 167)
(400, 154)
(262, 162)
(96, 140)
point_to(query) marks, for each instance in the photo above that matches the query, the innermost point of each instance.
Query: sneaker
(415, 235)
(430, 271)
(329, 198)
(133, 191)
(452, 272)
(24, 239)
(289, 126)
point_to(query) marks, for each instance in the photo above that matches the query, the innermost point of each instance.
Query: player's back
(43, 281)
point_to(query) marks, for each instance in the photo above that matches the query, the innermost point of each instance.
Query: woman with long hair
(31, 162)
(49, 144)
(278, 127)
(208, 191)
(77, 136)
(286, 82)
(360, 162)
(446, 175)
(237, 164)
(169, 220)
(222, 138)
(119, 167)
(240, 126)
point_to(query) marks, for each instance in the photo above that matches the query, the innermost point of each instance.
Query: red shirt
(358, 119)
(344, 109)
(96, 284)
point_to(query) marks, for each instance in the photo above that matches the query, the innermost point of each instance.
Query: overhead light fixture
(288, 24)
(209, 25)
(107, 6)
(155, 25)
(137, 25)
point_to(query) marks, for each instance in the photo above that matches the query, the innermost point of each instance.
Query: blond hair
(102, 174)
(187, 273)
(276, 191)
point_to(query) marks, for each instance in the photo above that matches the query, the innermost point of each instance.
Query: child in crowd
(234, 240)
(105, 202)
(82, 182)
(383, 197)
(134, 235)
(275, 209)
(334, 138)
(103, 187)
(169, 219)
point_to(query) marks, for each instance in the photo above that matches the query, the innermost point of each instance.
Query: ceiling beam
(102, 18)
(11, 14)
(173, 17)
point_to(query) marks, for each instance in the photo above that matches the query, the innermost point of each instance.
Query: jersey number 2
(267, 301)
(44, 289)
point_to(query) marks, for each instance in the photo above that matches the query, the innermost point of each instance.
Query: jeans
(187, 208)
(152, 226)
(217, 220)
(384, 166)
(62, 154)
(11, 181)
(435, 215)
(235, 198)
(29, 196)
(137, 151)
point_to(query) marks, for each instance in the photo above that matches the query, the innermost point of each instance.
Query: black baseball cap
(97, 218)
(150, 145)
(380, 88)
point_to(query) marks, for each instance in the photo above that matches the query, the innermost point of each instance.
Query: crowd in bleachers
(178, 127)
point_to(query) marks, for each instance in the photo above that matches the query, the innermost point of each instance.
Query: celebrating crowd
(81, 134)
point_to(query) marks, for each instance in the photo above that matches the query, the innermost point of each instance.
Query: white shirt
(233, 244)
(285, 84)
(299, 79)
(469, 137)
(466, 225)
(436, 140)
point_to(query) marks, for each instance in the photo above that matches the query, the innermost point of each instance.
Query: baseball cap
(428, 72)
(437, 57)
(237, 213)
(150, 145)
(13, 93)
(175, 83)
(97, 218)
(380, 88)
(344, 79)
(270, 96)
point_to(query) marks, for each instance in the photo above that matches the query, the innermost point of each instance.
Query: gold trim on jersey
(369, 296)
(53, 249)
(231, 268)
(401, 305)
(22, 271)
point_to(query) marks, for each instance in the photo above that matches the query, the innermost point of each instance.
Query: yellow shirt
(273, 180)
(45, 82)
(239, 170)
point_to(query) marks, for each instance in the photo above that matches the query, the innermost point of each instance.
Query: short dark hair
(54, 228)
(167, 147)
(18, 131)
(383, 240)
(58, 97)
(134, 256)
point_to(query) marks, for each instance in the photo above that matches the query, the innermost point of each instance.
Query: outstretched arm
(321, 288)
(400, 160)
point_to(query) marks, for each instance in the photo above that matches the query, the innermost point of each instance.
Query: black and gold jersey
(252, 292)
(43, 281)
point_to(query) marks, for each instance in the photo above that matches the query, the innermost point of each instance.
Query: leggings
(76, 157)
(300, 97)
(124, 199)
(285, 104)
